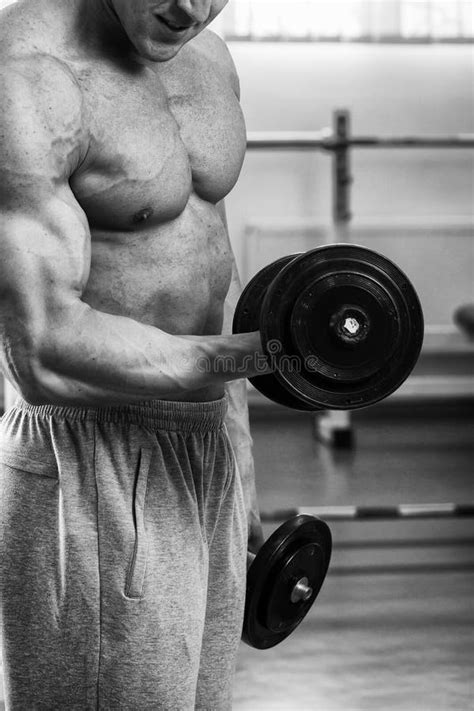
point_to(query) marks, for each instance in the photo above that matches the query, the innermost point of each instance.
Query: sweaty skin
(115, 167)
(121, 137)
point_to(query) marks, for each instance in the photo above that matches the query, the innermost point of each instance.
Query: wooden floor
(393, 627)
(383, 634)
(378, 643)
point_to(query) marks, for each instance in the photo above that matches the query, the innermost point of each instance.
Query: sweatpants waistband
(167, 415)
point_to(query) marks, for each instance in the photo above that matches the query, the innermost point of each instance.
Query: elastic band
(167, 415)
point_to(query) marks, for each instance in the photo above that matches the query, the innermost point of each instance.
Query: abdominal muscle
(174, 276)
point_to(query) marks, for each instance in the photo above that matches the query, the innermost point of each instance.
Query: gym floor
(393, 625)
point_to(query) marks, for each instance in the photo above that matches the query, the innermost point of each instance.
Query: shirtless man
(125, 508)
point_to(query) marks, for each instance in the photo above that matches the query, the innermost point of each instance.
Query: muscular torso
(165, 145)
(160, 145)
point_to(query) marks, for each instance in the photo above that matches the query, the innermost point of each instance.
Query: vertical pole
(334, 426)
(342, 177)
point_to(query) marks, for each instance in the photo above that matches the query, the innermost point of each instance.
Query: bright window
(356, 20)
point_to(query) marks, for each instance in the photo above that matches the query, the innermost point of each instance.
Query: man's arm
(53, 347)
(237, 420)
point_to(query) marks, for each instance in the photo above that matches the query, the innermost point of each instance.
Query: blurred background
(393, 626)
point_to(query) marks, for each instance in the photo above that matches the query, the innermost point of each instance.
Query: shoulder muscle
(217, 50)
(40, 120)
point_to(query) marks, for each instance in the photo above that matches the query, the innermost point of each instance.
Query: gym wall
(424, 196)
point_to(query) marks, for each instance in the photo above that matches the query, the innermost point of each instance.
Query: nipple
(142, 215)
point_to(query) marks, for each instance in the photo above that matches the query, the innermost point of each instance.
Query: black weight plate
(247, 319)
(302, 307)
(318, 332)
(287, 602)
(273, 389)
(300, 548)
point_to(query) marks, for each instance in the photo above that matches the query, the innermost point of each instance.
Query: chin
(157, 51)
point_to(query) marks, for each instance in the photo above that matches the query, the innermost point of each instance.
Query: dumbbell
(341, 325)
(284, 579)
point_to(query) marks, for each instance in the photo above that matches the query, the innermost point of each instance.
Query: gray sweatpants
(123, 557)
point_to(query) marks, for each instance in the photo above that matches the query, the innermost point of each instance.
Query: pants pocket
(40, 461)
(136, 574)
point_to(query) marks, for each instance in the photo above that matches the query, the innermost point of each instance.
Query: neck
(99, 28)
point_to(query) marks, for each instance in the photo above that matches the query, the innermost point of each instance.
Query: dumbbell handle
(301, 592)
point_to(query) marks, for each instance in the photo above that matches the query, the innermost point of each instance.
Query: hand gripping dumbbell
(284, 579)
(341, 325)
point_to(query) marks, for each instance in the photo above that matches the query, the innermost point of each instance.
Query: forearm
(89, 357)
